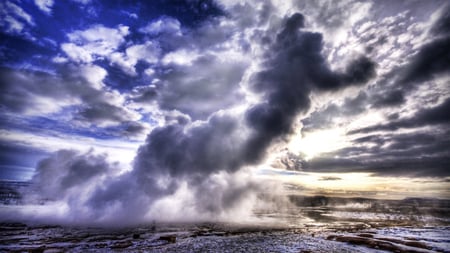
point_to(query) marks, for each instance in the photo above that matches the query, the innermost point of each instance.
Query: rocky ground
(316, 236)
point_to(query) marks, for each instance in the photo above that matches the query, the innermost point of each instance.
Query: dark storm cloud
(295, 68)
(407, 165)
(330, 178)
(424, 153)
(392, 98)
(21, 88)
(100, 112)
(290, 162)
(415, 167)
(144, 94)
(432, 59)
(442, 25)
(437, 115)
(133, 128)
(370, 139)
(18, 89)
(359, 71)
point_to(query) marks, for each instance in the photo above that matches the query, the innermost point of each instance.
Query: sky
(147, 105)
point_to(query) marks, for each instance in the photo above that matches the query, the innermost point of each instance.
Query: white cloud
(44, 5)
(14, 18)
(13, 24)
(149, 72)
(94, 75)
(99, 39)
(46, 105)
(59, 59)
(77, 53)
(99, 42)
(94, 43)
(148, 52)
(163, 25)
(82, 1)
(21, 13)
(180, 57)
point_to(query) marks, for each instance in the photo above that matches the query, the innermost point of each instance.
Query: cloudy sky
(175, 98)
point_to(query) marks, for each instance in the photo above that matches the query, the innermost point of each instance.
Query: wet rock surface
(223, 238)
(400, 239)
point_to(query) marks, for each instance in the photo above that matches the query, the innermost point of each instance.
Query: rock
(122, 245)
(365, 235)
(417, 244)
(388, 244)
(168, 238)
(331, 237)
(136, 236)
(37, 250)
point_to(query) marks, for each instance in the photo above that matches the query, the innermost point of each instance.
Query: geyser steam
(196, 170)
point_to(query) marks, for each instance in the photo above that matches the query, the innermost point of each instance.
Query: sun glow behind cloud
(312, 144)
